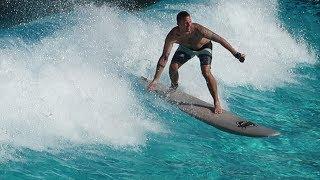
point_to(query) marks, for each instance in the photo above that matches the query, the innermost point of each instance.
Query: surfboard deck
(203, 111)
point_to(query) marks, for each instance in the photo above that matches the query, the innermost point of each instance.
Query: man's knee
(174, 67)
(206, 72)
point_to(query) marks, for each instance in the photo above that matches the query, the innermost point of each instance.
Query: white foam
(72, 87)
(253, 28)
(67, 88)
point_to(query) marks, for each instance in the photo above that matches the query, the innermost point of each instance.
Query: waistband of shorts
(205, 49)
(205, 46)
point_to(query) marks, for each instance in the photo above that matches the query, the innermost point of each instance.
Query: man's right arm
(162, 60)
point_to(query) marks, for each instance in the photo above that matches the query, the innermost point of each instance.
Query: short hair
(182, 15)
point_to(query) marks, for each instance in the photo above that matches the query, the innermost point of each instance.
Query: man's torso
(193, 40)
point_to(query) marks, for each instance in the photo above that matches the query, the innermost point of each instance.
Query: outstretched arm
(162, 60)
(207, 33)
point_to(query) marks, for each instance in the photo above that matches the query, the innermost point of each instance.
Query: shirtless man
(193, 39)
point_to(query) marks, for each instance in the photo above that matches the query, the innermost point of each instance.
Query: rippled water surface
(71, 105)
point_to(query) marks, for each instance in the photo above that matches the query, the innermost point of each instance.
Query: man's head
(184, 21)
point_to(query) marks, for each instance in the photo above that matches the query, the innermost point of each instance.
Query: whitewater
(71, 101)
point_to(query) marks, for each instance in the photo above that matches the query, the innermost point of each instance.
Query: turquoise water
(72, 107)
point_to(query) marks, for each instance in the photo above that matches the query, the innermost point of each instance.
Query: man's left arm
(207, 33)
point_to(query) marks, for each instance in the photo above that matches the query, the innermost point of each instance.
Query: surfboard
(203, 111)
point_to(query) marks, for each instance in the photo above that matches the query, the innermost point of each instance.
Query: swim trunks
(183, 54)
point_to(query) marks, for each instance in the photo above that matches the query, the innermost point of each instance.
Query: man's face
(185, 24)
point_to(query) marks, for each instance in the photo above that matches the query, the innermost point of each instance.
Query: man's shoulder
(198, 26)
(202, 29)
(174, 30)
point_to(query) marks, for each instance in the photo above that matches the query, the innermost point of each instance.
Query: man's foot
(173, 88)
(218, 109)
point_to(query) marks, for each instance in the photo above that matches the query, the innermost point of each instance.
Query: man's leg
(212, 86)
(174, 74)
(179, 58)
(205, 62)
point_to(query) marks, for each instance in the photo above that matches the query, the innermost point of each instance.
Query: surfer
(194, 40)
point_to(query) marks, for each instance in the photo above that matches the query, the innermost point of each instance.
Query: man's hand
(240, 56)
(152, 86)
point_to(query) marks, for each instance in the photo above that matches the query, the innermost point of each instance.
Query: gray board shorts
(183, 54)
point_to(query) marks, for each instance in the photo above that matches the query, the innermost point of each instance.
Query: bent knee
(174, 67)
(206, 73)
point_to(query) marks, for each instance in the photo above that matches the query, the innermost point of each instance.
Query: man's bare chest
(189, 39)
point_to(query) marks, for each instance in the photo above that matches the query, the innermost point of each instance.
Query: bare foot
(152, 86)
(218, 109)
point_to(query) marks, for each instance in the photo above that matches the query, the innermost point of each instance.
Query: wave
(75, 85)
(64, 88)
(15, 12)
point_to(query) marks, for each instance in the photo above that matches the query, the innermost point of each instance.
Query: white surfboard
(203, 111)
